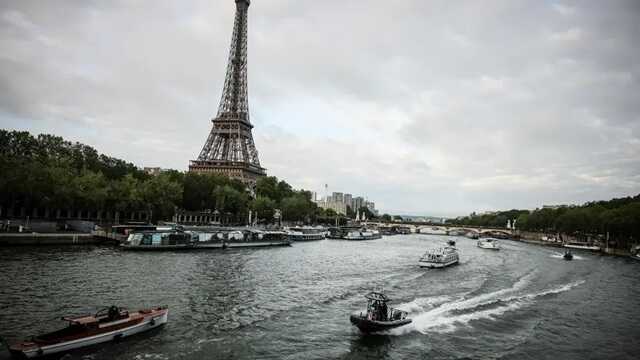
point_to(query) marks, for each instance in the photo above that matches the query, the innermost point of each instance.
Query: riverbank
(31, 239)
(534, 238)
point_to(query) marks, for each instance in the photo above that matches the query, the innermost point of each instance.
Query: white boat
(491, 244)
(305, 234)
(635, 252)
(108, 324)
(362, 235)
(583, 246)
(439, 258)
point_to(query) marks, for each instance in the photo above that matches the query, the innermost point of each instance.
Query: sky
(424, 107)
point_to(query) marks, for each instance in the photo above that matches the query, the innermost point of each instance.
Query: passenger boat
(491, 244)
(582, 246)
(379, 316)
(205, 238)
(108, 324)
(305, 234)
(363, 234)
(159, 240)
(439, 258)
(353, 233)
(241, 238)
(568, 255)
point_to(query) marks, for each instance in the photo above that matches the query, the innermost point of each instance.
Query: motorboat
(305, 234)
(491, 244)
(439, 258)
(379, 316)
(108, 324)
(567, 255)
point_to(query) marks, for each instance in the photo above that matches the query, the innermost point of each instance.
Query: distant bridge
(450, 229)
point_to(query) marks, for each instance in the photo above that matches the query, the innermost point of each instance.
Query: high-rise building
(348, 199)
(357, 203)
(337, 197)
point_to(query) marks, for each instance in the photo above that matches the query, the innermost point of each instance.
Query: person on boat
(385, 310)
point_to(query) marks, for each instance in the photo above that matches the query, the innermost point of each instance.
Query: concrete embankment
(535, 238)
(30, 239)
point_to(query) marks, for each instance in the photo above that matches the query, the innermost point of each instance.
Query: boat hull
(148, 323)
(206, 246)
(302, 238)
(436, 265)
(582, 247)
(370, 326)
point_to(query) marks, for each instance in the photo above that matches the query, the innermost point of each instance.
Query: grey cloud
(424, 106)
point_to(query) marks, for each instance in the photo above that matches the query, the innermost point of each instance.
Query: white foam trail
(441, 319)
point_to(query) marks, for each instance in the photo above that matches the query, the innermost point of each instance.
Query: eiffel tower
(229, 149)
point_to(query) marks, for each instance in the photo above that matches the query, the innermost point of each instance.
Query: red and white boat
(108, 324)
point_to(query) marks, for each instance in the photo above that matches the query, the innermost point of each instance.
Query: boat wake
(446, 313)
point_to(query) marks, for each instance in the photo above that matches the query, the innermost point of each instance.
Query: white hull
(147, 324)
(436, 265)
(582, 247)
(488, 245)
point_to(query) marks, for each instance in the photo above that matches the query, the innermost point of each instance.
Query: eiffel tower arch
(229, 148)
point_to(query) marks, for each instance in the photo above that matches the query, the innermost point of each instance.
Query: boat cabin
(148, 238)
(377, 309)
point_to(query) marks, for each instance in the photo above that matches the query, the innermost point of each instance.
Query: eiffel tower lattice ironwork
(230, 149)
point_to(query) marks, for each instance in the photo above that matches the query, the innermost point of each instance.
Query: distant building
(553, 207)
(371, 206)
(153, 171)
(337, 206)
(357, 203)
(348, 199)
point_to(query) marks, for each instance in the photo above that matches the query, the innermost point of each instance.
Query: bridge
(449, 229)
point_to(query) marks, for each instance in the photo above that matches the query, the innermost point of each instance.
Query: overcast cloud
(426, 107)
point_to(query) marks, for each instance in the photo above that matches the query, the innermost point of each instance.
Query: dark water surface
(523, 302)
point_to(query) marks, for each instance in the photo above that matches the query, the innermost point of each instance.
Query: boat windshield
(135, 238)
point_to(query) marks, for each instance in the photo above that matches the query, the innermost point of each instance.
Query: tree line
(48, 172)
(620, 218)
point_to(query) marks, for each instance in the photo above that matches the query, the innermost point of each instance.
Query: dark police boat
(379, 316)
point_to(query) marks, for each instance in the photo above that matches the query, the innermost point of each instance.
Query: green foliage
(618, 217)
(48, 172)
(264, 208)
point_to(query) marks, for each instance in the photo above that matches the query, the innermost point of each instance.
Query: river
(523, 302)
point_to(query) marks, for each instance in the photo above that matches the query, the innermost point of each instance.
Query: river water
(523, 302)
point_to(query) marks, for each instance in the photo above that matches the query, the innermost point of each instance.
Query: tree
(264, 208)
